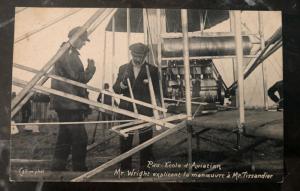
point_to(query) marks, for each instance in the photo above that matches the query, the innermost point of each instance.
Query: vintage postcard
(146, 95)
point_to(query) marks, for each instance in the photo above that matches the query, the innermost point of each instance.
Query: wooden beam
(86, 176)
(94, 89)
(152, 95)
(239, 61)
(188, 98)
(100, 105)
(159, 60)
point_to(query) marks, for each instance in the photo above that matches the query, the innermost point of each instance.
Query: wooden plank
(59, 53)
(101, 105)
(88, 175)
(94, 89)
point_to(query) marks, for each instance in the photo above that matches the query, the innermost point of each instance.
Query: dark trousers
(71, 139)
(145, 154)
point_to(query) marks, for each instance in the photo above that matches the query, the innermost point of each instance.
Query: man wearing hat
(71, 138)
(136, 72)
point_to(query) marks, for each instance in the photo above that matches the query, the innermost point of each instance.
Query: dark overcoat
(70, 66)
(140, 89)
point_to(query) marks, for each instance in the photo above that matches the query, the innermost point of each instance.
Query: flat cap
(84, 36)
(138, 49)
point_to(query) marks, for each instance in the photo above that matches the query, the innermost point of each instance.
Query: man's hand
(123, 86)
(91, 65)
(146, 81)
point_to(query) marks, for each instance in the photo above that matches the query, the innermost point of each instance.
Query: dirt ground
(212, 146)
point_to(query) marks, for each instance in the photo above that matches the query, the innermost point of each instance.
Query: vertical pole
(145, 26)
(158, 15)
(184, 20)
(263, 65)
(152, 96)
(128, 33)
(239, 61)
(104, 61)
(234, 64)
(201, 21)
(113, 48)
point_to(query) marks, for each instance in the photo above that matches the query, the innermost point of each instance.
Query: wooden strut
(91, 88)
(152, 95)
(16, 101)
(125, 131)
(98, 105)
(132, 96)
(72, 123)
(88, 175)
(159, 60)
(186, 59)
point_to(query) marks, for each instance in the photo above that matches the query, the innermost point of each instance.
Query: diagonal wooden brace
(59, 53)
(91, 88)
(88, 175)
(99, 105)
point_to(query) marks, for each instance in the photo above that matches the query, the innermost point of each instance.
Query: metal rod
(206, 57)
(88, 175)
(263, 65)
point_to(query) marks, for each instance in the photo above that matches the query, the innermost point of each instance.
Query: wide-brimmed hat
(84, 36)
(138, 49)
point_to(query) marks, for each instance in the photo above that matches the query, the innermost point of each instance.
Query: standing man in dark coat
(135, 70)
(71, 138)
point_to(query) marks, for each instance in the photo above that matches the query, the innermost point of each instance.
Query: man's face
(79, 43)
(138, 59)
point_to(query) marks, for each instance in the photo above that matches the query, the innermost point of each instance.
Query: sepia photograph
(146, 95)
